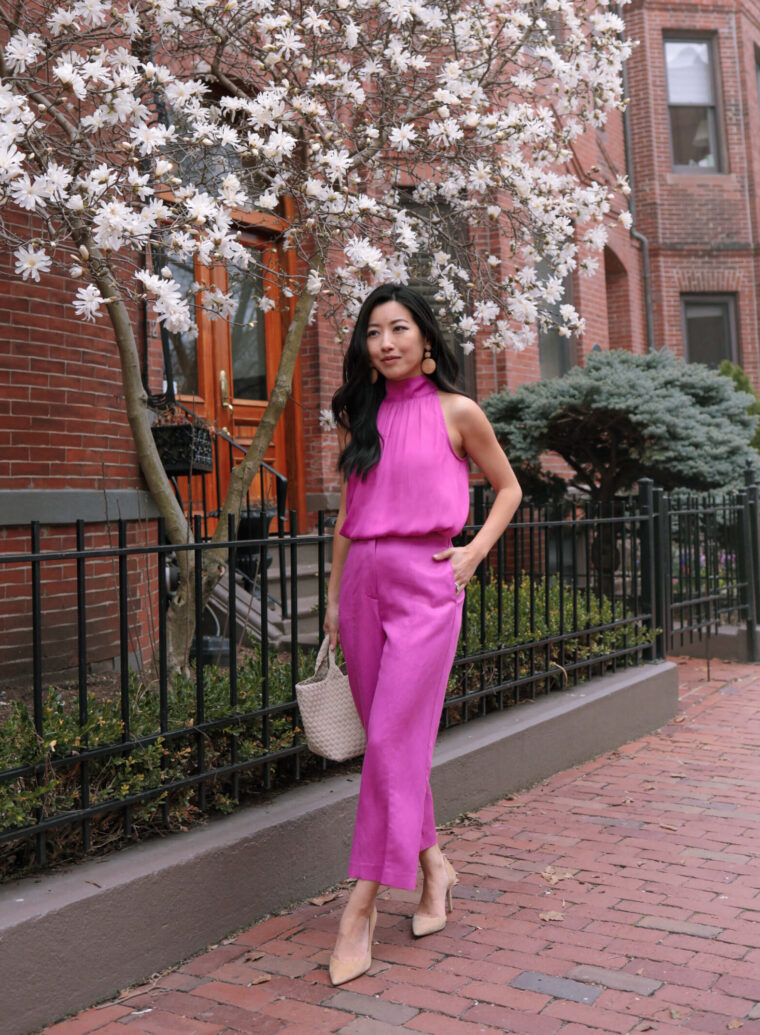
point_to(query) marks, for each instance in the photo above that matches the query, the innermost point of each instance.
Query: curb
(72, 938)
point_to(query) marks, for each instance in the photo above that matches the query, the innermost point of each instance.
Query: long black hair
(357, 401)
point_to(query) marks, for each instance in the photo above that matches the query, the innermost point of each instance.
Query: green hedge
(556, 609)
(56, 791)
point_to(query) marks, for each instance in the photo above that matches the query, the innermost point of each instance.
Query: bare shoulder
(461, 411)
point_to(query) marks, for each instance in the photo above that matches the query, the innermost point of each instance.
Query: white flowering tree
(397, 130)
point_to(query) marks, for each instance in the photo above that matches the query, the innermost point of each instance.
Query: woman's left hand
(462, 561)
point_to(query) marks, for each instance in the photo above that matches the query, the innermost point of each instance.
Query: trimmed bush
(622, 417)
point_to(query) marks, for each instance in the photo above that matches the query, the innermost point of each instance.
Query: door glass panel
(249, 358)
(182, 347)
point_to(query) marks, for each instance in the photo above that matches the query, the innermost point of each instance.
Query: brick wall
(58, 597)
(702, 227)
(63, 426)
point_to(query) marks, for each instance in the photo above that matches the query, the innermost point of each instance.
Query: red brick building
(686, 278)
(695, 122)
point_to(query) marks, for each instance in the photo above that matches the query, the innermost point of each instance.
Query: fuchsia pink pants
(399, 623)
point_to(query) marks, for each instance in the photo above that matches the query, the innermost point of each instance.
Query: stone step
(307, 558)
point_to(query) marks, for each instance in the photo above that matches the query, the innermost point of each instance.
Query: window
(554, 25)
(692, 106)
(709, 328)
(556, 353)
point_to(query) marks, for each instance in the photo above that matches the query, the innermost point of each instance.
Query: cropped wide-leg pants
(399, 617)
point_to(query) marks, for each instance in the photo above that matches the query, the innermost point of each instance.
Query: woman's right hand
(331, 624)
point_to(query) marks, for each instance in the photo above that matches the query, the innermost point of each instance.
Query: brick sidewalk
(620, 896)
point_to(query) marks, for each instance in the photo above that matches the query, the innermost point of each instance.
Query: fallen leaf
(668, 826)
(251, 956)
(735, 1024)
(675, 1014)
(260, 979)
(320, 900)
(646, 1026)
(551, 876)
(551, 915)
(680, 718)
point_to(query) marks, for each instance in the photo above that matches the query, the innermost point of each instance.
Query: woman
(405, 436)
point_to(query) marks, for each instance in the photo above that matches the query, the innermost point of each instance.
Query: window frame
(721, 151)
(727, 298)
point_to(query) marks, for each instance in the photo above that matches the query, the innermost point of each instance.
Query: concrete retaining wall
(729, 643)
(72, 938)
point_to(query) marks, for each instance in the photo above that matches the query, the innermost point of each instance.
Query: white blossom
(30, 194)
(22, 50)
(314, 282)
(402, 137)
(327, 420)
(11, 162)
(376, 130)
(87, 302)
(30, 262)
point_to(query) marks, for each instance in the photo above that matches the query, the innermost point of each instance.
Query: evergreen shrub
(622, 417)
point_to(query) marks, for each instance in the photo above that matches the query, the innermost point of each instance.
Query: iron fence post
(754, 532)
(41, 841)
(648, 571)
(746, 572)
(200, 716)
(233, 641)
(662, 590)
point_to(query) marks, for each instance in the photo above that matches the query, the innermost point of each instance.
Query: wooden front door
(226, 374)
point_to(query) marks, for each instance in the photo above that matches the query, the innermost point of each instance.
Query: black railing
(565, 595)
(711, 546)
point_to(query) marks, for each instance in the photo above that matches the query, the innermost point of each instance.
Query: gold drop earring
(428, 363)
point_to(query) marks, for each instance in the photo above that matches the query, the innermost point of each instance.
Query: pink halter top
(419, 485)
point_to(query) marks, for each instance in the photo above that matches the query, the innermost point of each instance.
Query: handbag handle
(326, 654)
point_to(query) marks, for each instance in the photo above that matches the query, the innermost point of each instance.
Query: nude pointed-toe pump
(423, 923)
(342, 971)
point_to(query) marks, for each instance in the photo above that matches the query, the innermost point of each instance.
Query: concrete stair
(249, 603)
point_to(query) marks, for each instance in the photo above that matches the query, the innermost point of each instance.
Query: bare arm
(478, 441)
(339, 554)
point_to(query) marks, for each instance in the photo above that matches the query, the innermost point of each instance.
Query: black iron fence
(566, 594)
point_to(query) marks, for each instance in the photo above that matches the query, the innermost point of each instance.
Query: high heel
(422, 923)
(342, 971)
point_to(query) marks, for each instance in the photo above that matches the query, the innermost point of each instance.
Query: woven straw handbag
(330, 721)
